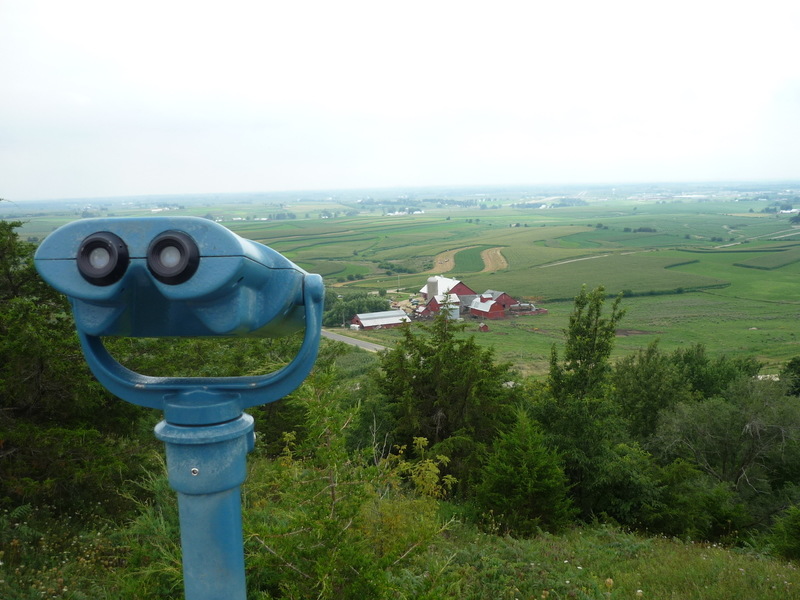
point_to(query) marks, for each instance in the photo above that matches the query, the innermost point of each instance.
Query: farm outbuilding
(501, 298)
(450, 302)
(485, 308)
(380, 320)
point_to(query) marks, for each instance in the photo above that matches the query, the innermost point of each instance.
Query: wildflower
(609, 583)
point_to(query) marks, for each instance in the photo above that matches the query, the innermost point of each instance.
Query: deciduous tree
(708, 377)
(748, 439)
(644, 384)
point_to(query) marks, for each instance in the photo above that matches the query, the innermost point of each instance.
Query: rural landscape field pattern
(719, 267)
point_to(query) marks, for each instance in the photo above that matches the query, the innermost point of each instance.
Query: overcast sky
(105, 98)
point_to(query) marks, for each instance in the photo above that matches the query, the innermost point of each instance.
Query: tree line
(675, 443)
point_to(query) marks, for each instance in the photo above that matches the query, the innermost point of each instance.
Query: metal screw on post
(185, 276)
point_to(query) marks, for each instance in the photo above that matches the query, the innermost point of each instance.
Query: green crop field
(469, 260)
(719, 268)
(772, 260)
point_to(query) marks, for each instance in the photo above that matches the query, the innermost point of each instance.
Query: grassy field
(737, 297)
(720, 272)
(90, 558)
(603, 563)
(726, 325)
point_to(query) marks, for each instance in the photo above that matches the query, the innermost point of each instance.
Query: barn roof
(445, 284)
(448, 298)
(493, 293)
(482, 305)
(386, 317)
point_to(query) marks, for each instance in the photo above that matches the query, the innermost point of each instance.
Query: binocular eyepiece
(172, 258)
(103, 258)
(173, 276)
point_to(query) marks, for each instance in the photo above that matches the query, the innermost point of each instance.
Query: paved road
(368, 346)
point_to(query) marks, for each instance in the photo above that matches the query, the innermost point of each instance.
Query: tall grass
(462, 561)
(598, 563)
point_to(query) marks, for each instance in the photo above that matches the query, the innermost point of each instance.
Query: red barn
(451, 302)
(501, 298)
(485, 308)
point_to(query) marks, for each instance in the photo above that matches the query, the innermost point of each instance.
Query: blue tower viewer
(186, 276)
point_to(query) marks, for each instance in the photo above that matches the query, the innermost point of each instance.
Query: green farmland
(696, 273)
(724, 272)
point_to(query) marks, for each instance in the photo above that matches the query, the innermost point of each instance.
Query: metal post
(206, 466)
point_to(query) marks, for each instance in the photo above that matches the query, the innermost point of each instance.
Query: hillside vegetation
(627, 467)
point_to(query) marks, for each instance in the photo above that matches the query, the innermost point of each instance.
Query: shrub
(522, 483)
(785, 535)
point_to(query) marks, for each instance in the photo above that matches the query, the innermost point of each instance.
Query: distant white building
(380, 320)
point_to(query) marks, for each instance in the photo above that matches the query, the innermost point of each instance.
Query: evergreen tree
(17, 275)
(574, 408)
(588, 345)
(785, 534)
(448, 390)
(791, 374)
(522, 483)
(584, 431)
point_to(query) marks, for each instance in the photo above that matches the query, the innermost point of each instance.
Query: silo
(433, 287)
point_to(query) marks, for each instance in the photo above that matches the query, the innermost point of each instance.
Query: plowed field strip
(494, 260)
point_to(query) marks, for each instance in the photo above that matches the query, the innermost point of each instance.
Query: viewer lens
(99, 258)
(170, 257)
(173, 257)
(102, 258)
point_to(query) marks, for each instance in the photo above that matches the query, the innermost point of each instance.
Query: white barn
(377, 320)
